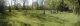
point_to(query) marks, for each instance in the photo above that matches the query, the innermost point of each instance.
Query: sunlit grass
(37, 18)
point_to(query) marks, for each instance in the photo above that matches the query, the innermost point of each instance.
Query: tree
(52, 5)
(10, 6)
(63, 7)
(78, 7)
(2, 9)
(41, 5)
(16, 4)
(2, 13)
(24, 1)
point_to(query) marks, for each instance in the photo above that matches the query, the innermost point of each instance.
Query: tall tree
(2, 13)
(2, 9)
(16, 4)
(62, 6)
(10, 6)
(43, 7)
(24, 1)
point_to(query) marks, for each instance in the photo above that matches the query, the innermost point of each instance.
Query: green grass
(37, 18)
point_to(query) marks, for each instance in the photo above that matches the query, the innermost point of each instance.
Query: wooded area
(39, 13)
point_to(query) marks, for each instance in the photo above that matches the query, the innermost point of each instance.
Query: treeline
(58, 5)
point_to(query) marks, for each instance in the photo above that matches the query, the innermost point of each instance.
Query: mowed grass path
(36, 18)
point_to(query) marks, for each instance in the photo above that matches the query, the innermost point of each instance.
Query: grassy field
(37, 18)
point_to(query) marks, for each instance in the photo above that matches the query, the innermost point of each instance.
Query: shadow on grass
(46, 17)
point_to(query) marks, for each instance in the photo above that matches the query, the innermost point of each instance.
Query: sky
(40, 2)
(28, 2)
